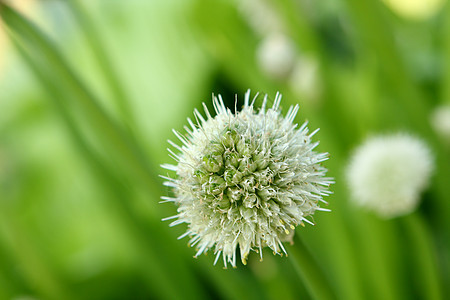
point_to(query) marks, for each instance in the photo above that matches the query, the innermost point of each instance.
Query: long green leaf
(421, 245)
(109, 73)
(106, 130)
(148, 234)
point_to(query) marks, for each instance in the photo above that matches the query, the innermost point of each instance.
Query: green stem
(231, 284)
(278, 277)
(380, 250)
(310, 272)
(427, 273)
(343, 258)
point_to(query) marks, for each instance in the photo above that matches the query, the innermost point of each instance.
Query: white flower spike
(387, 174)
(246, 179)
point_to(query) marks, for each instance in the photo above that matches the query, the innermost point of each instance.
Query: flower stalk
(310, 272)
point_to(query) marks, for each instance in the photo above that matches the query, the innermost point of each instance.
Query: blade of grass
(157, 267)
(96, 44)
(112, 136)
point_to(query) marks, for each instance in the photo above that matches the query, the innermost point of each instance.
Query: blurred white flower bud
(387, 174)
(304, 78)
(276, 55)
(415, 9)
(440, 120)
(261, 17)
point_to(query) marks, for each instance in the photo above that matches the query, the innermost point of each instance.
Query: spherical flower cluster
(246, 179)
(387, 174)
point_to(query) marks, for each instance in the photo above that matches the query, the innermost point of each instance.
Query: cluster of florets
(246, 179)
(386, 174)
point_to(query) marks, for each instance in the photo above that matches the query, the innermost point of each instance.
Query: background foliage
(89, 93)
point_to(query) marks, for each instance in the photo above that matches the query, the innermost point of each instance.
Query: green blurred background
(89, 93)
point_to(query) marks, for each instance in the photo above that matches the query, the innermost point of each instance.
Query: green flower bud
(246, 179)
